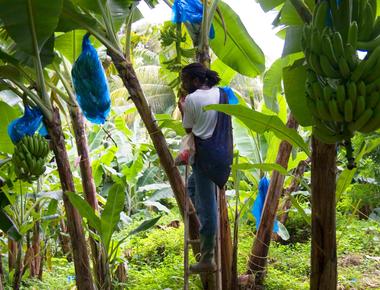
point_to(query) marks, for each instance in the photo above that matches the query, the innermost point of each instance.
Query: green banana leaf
(235, 47)
(262, 166)
(268, 5)
(6, 223)
(295, 93)
(145, 225)
(85, 210)
(111, 213)
(345, 178)
(261, 123)
(8, 114)
(119, 9)
(23, 19)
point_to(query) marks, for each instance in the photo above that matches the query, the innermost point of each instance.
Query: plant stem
(37, 59)
(211, 13)
(128, 29)
(108, 22)
(47, 113)
(302, 10)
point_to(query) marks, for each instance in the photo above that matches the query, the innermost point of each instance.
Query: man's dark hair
(197, 70)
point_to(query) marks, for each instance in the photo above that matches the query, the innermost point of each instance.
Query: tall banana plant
(31, 25)
(101, 21)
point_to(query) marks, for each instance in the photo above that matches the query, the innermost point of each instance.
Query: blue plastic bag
(189, 11)
(90, 83)
(28, 124)
(259, 203)
(232, 99)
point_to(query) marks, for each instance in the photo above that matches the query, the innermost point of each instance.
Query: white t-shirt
(201, 122)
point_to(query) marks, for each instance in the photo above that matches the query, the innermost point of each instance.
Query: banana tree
(104, 19)
(323, 262)
(102, 274)
(40, 19)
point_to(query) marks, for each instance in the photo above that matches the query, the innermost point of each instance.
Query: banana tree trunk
(65, 240)
(18, 267)
(36, 259)
(323, 225)
(102, 275)
(74, 222)
(258, 258)
(12, 254)
(298, 173)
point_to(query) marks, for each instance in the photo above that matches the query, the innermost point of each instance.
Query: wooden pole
(259, 252)
(226, 242)
(74, 222)
(323, 230)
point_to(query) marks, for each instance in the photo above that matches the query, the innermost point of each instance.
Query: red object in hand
(183, 158)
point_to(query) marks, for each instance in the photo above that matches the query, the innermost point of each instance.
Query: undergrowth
(155, 258)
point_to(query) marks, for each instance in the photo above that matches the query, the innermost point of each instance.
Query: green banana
(353, 34)
(328, 50)
(360, 107)
(359, 123)
(306, 33)
(327, 67)
(372, 99)
(376, 29)
(313, 61)
(373, 123)
(352, 92)
(323, 110)
(362, 88)
(315, 42)
(327, 93)
(374, 86)
(351, 57)
(337, 42)
(375, 73)
(367, 22)
(370, 62)
(334, 112)
(320, 15)
(344, 69)
(358, 72)
(317, 90)
(312, 107)
(341, 97)
(348, 111)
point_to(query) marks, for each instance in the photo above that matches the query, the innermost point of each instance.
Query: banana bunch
(343, 91)
(29, 157)
(328, 52)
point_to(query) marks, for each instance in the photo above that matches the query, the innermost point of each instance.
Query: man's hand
(181, 100)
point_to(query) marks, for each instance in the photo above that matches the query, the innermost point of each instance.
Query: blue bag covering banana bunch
(29, 157)
(343, 91)
(90, 83)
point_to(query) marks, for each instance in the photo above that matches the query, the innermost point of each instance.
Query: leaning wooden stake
(74, 222)
(323, 226)
(259, 252)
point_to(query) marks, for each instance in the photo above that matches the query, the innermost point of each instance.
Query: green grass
(155, 258)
